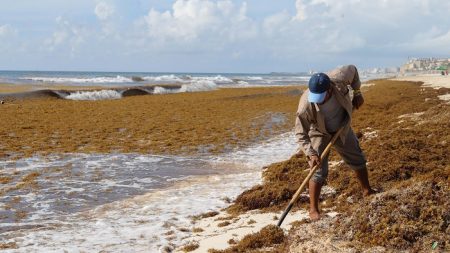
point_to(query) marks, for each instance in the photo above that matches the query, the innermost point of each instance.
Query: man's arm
(302, 127)
(355, 82)
(358, 99)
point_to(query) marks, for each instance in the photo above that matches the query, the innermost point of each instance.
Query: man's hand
(313, 161)
(357, 101)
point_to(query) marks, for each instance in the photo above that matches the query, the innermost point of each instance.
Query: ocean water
(115, 85)
(134, 78)
(124, 202)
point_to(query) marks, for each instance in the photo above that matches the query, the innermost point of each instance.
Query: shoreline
(157, 219)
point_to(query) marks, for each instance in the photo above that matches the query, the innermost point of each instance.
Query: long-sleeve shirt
(311, 122)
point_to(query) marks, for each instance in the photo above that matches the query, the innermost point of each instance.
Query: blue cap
(319, 83)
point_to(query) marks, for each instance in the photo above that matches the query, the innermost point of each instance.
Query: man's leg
(314, 195)
(319, 143)
(363, 179)
(352, 155)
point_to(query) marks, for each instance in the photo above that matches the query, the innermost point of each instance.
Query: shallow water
(124, 202)
(72, 183)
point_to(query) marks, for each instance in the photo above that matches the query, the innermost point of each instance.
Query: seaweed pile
(404, 132)
(261, 241)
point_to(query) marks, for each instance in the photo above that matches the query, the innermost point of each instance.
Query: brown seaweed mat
(185, 123)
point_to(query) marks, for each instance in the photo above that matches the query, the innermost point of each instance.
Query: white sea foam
(164, 78)
(255, 78)
(169, 79)
(215, 79)
(194, 86)
(139, 223)
(94, 95)
(200, 85)
(243, 83)
(100, 80)
(276, 149)
(162, 90)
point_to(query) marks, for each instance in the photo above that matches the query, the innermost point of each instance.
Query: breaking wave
(116, 93)
(201, 85)
(104, 79)
(168, 79)
(94, 95)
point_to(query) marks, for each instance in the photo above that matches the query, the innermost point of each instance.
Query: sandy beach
(223, 139)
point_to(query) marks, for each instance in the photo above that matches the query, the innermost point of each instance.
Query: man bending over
(323, 109)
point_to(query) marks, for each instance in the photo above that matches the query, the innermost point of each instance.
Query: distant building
(429, 65)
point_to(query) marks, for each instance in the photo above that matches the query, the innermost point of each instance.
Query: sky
(252, 36)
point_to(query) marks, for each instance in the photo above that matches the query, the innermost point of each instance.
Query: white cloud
(434, 40)
(104, 11)
(67, 35)
(276, 23)
(301, 13)
(289, 32)
(339, 27)
(193, 20)
(322, 31)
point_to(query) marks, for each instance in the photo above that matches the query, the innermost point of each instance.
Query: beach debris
(252, 221)
(9, 245)
(190, 247)
(232, 241)
(224, 224)
(434, 245)
(268, 236)
(197, 230)
(205, 215)
(2, 102)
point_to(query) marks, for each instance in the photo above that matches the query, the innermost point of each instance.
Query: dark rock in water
(37, 94)
(137, 79)
(134, 92)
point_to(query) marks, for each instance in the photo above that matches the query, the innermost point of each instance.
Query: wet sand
(185, 123)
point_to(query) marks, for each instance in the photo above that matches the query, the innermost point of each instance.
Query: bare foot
(314, 215)
(370, 191)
